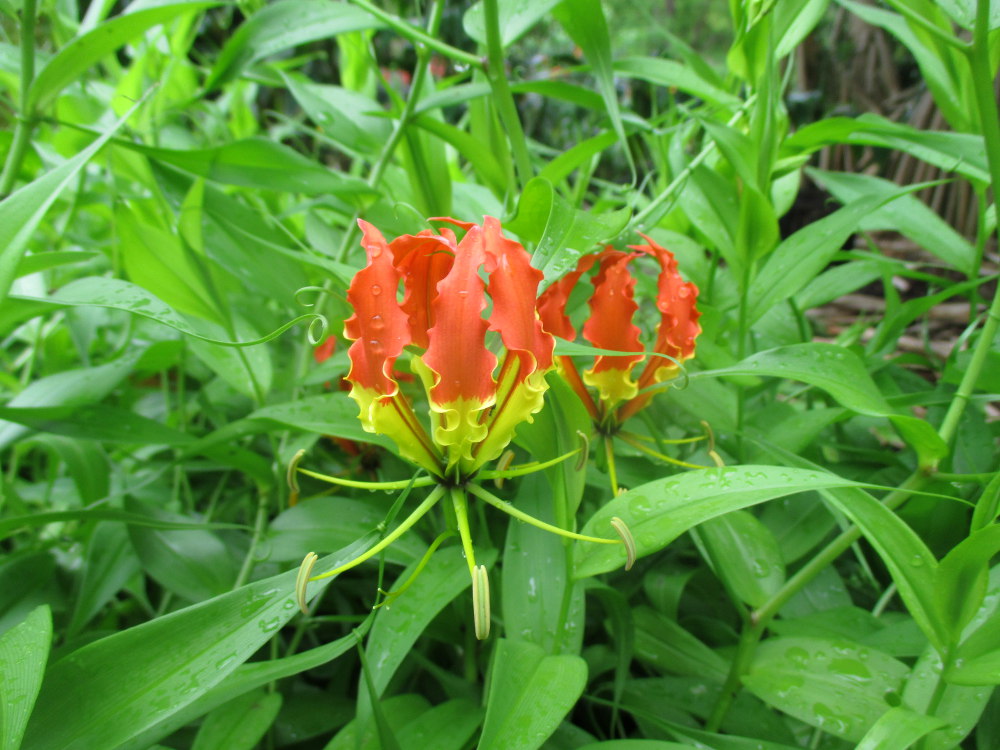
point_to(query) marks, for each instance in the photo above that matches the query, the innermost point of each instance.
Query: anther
(302, 580)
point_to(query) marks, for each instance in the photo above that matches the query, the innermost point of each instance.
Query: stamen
(627, 540)
(481, 602)
(290, 477)
(710, 435)
(584, 450)
(409, 521)
(656, 454)
(302, 580)
(502, 465)
(528, 468)
(390, 596)
(357, 483)
(520, 515)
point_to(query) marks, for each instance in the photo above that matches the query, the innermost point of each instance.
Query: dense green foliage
(181, 186)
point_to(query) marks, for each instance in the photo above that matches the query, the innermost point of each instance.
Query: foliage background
(181, 177)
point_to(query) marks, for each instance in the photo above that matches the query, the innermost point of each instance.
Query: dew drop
(376, 289)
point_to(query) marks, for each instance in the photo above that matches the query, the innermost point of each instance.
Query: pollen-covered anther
(302, 580)
(481, 602)
(628, 541)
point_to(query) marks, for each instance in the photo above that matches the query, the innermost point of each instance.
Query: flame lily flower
(476, 398)
(620, 386)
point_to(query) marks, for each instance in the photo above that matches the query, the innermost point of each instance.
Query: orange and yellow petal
(678, 327)
(610, 326)
(393, 416)
(379, 328)
(552, 302)
(457, 357)
(423, 260)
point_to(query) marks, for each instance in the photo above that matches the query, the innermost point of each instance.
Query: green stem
(758, 621)
(609, 454)
(648, 216)
(399, 130)
(745, 651)
(258, 530)
(461, 505)
(25, 120)
(502, 97)
(419, 37)
(989, 126)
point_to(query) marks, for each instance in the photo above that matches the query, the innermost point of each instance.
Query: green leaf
(108, 563)
(963, 12)
(560, 232)
(117, 294)
(516, 18)
(24, 650)
(324, 524)
(344, 115)
(563, 165)
(532, 594)
(906, 214)
(662, 643)
(22, 212)
(69, 388)
(283, 25)
(36, 262)
(634, 745)
(109, 691)
(79, 54)
(744, 555)
(842, 374)
(248, 677)
(447, 726)
(195, 564)
(801, 257)
(672, 74)
(586, 25)
(157, 259)
(796, 19)
(897, 729)
(11, 524)
(962, 575)
(96, 422)
(240, 723)
(660, 511)
(959, 705)
(911, 564)
(264, 164)
(836, 686)
(963, 153)
(328, 414)
(399, 624)
(482, 160)
(529, 695)
(988, 505)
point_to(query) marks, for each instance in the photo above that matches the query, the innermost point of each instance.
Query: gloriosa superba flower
(476, 398)
(621, 391)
